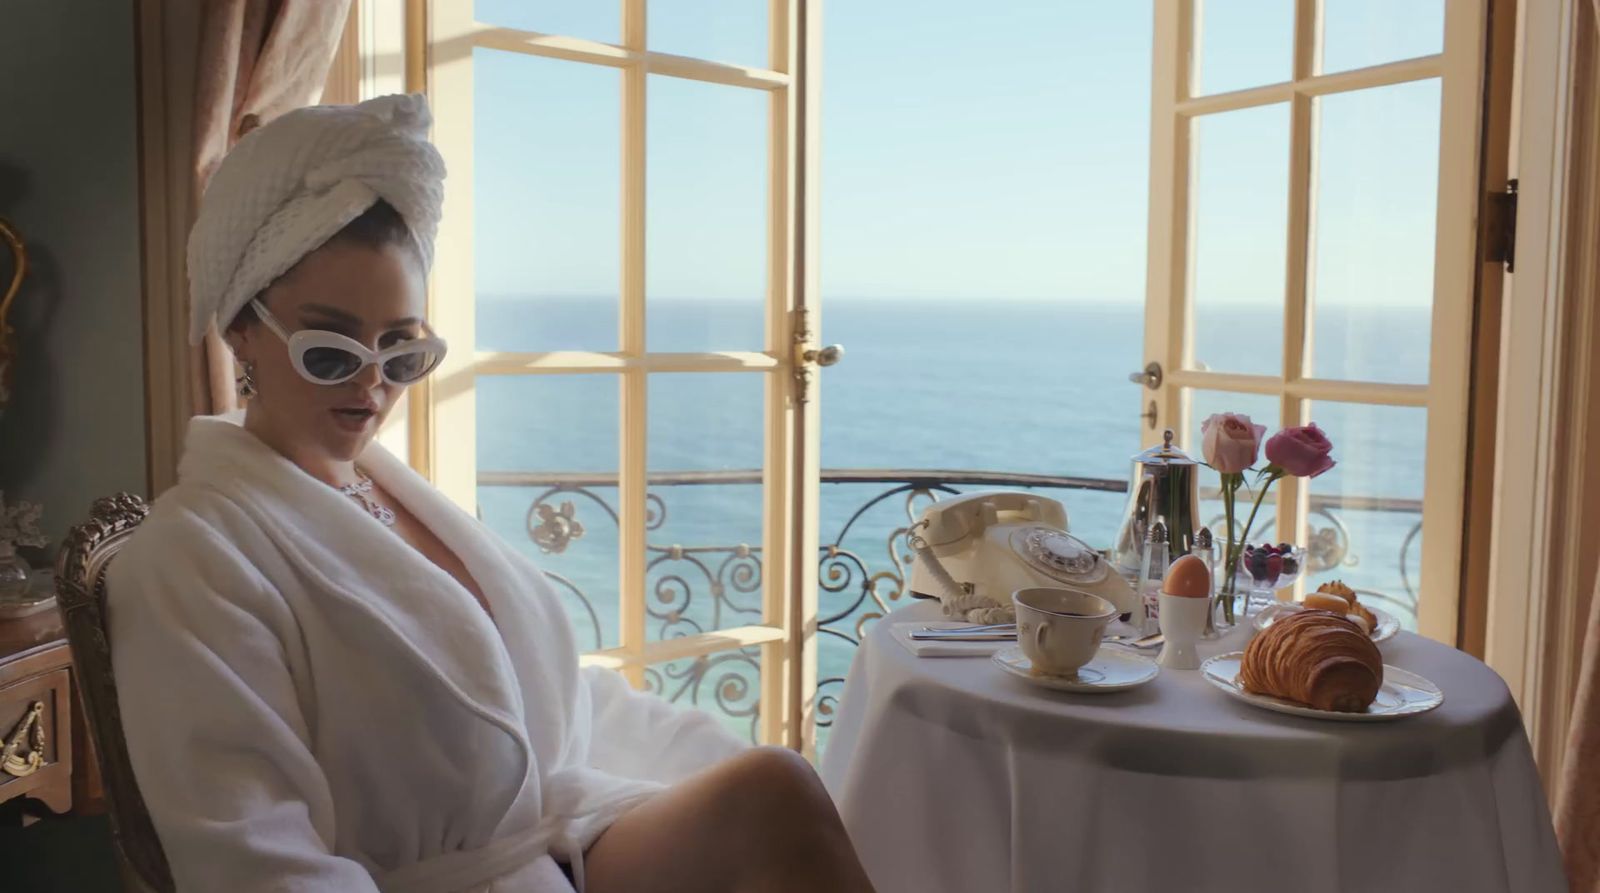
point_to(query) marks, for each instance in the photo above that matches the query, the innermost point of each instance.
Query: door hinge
(808, 358)
(1500, 234)
(804, 373)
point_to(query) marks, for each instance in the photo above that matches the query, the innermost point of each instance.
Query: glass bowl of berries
(1270, 566)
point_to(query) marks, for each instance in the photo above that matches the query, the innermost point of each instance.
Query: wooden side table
(46, 752)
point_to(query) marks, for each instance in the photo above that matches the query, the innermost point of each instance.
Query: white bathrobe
(312, 705)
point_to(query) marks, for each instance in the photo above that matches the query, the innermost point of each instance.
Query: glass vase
(1225, 607)
(13, 577)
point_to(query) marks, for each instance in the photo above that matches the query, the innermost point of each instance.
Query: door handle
(807, 360)
(1150, 376)
(825, 356)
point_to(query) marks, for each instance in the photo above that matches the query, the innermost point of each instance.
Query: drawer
(42, 703)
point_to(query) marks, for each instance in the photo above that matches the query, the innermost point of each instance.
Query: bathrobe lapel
(348, 555)
(547, 675)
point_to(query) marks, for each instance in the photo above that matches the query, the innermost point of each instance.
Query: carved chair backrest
(81, 591)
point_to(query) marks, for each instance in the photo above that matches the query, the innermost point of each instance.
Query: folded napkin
(942, 648)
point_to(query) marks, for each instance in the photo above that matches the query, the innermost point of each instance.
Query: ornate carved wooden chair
(81, 591)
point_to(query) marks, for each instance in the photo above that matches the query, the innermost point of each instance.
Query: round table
(953, 776)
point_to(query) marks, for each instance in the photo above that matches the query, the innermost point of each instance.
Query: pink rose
(1302, 452)
(1229, 441)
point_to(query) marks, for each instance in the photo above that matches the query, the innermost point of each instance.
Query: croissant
(1317, 658)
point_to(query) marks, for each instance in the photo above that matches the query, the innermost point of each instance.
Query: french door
(630, 391)
(1313, 223)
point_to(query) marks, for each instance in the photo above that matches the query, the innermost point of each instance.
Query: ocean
(964, 385)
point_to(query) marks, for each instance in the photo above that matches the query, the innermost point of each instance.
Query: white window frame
(440, 432)
(1169, 324)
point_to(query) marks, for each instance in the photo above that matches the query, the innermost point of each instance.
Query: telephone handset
(967, 515)
(974, 550)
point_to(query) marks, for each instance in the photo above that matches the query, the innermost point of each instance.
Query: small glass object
(13, 577)
(1152, 571)
(1205, 549)
(1263, 570)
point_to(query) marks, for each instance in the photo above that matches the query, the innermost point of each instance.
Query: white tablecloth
(953, 777)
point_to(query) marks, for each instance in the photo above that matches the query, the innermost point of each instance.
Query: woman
(332, 679)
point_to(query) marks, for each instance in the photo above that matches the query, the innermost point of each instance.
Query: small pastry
(1367, 617)
(1322, 601)
(1362, 622)
(1337, 587)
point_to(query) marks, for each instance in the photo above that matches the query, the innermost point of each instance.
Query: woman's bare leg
(758, 823)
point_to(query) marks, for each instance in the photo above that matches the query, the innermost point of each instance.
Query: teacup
(1060, 629)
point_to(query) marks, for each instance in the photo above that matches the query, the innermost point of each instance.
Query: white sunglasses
(323, 357)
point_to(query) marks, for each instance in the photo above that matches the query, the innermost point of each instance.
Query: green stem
(1244, 536)
(1230, 553)
(1261, 493)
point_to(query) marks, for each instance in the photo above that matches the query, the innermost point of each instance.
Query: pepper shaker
(1205, 550)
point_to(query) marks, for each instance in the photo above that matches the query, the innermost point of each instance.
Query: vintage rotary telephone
(974, 550)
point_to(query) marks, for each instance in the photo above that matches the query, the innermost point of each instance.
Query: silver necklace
(361, 491)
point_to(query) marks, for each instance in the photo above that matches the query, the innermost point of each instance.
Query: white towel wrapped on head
(290, 185)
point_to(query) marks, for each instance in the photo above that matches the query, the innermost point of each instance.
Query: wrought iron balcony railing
(862, 567)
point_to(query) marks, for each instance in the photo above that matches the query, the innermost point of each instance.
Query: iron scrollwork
(702, 587)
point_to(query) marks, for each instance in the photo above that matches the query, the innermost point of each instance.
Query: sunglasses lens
(330, 363)
(409, 367)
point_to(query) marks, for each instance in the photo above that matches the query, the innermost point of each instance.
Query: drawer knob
(20, 766)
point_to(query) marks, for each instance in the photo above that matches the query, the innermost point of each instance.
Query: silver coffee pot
(1165, 486)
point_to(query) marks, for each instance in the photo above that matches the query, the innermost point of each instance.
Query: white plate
(1387, 624)
(1109, 670)
(1402, 694)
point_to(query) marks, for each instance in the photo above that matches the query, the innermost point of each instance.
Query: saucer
(1109, 670)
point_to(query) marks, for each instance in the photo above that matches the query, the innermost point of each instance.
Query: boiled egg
(1187, 577)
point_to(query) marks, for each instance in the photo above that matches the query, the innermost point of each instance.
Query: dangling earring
(247, 381)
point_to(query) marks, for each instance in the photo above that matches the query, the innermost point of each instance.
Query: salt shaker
(1152, 570)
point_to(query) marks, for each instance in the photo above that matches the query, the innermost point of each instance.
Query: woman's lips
(354, 419)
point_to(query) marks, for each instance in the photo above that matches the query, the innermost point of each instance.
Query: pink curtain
(1577, 809)
(1578, 794)
(257, 60)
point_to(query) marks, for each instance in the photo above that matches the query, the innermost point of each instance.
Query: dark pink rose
(1229, 441)
(1302, 452)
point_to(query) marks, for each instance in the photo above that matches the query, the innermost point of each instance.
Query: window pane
(574, 18)
(1242, 43)
(1240, 214)
(726, 684)
(704, 568)
(1377, 194)
(1027, 386)
(546, 443)
(1359, 33)
(706, 216)
(1366, 513)
(546, 202)
(720, 30)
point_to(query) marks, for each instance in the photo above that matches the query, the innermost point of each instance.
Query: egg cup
(1183, 620)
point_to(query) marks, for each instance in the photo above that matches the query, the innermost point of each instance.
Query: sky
(968, 152)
